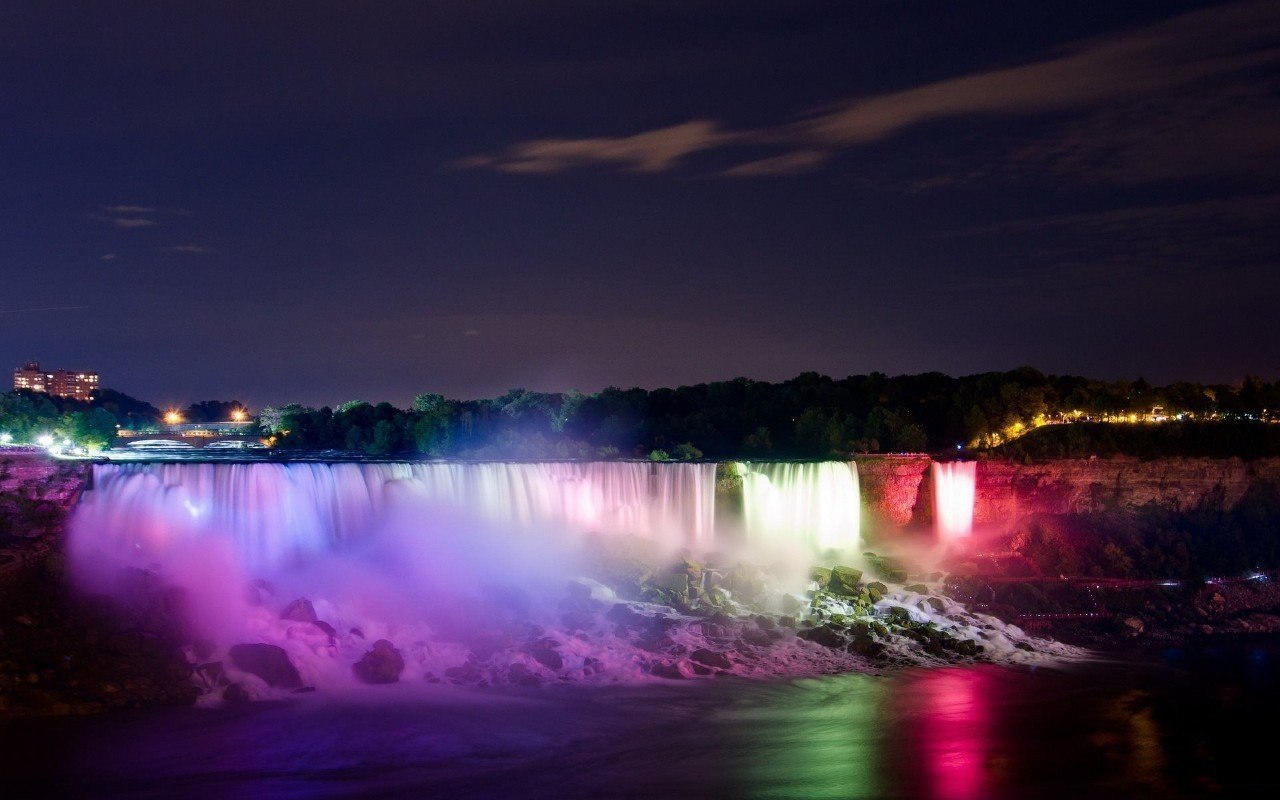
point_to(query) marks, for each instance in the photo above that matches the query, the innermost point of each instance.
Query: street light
(172, 418)
(239, 415)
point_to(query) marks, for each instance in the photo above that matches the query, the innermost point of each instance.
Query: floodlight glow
(5, 437)
(44, 440)
(172, 418)
(239, 415)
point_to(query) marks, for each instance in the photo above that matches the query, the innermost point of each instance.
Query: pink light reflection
(956, 732)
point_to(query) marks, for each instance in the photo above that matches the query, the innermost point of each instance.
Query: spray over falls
(307, 574)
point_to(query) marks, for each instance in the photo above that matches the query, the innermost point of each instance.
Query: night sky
(319, 202)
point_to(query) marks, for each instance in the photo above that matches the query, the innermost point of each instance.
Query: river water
(1180, 723)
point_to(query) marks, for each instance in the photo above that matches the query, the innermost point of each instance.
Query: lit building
(30, 377)
(60, 383)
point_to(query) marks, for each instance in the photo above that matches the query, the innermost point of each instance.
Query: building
(61, 383)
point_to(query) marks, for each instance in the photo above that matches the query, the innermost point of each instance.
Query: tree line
(810, 416)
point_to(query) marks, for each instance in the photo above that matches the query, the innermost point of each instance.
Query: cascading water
(953, 498)
(480, 573)
(814, 503)
(274, 513)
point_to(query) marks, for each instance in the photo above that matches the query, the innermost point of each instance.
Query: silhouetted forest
(810, 416)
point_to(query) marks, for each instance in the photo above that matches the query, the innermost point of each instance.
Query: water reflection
(819, 739)
(953, 735)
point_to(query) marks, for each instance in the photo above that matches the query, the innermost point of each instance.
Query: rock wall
(38, 476)
(1008, 491)
(897, 491)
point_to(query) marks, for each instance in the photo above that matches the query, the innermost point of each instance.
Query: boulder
(382, 664)
(899, 615)
(824, 635)
(237, 694)
(1131, 626)
(299, 610)
(877, 590)
(667, 670)
(544, 652)
(820, 576)
(845, 581)
(268, 662)
(918, 588)
(711, 658)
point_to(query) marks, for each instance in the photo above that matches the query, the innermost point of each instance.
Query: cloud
(471, 332)
(792, 163)
(132, 222)
(651, 151)
(1194, 53)
(128, 209)
(187, 248)
(108, 257)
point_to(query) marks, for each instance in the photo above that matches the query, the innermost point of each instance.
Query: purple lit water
(1181, 729)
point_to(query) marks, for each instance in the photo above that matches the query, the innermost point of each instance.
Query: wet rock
(1131, 626)
(356, 632)
(845, 581)
(268, 662)
(210, 674)
(668, 671)
(820, 575)
(866, 646)
(757, 637)
(899, 615)
(877, 591)
(918, 588)
(787, 621)
(711, 658)
(327, 628)
(299, 610)
(825, 635)
(486, 643)
(520, 675)
(937, 604)
(543, 651)
(382, 664)
(237, 694)
(466, 673)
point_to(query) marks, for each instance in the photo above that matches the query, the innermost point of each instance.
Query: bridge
(189, 434)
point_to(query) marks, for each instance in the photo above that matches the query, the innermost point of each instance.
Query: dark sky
(321, 202)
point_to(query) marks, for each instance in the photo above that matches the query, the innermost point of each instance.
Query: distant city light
(172, 418)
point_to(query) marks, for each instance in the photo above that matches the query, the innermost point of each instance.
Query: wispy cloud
(128, 209)
(650, 151)
(132, 222)
(1194, 52)
(125, 216)
(187, 248)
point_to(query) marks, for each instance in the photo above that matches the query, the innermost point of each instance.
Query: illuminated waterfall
(953, 493)
(816, 503)
(276, 512)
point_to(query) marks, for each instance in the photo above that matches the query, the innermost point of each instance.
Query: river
(1179, 723)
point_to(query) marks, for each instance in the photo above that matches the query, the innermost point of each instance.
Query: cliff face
(898, 491)
(1007, 491)
(38, 477)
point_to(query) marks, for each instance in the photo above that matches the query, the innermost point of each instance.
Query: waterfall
(815, 503)
(953, 495)
(276, 512)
